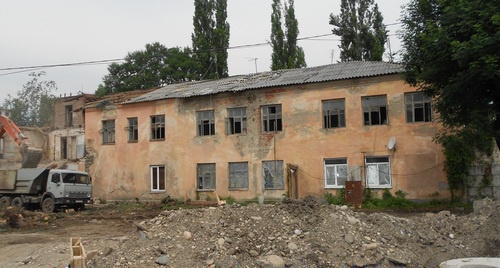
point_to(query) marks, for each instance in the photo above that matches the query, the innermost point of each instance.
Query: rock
(257, 218)
(451, 236)
(275, 261)
(352, 220)
(445, 213)
(221, 242)
(370, 246)
(107, 251)
(349, 238)
(162, 260)
(297, 232)
(210, 262)
(344, 207)
(430, 215)
(292, 246)
(187, 235)
(143, 235)
(253, 253)
(92, 254)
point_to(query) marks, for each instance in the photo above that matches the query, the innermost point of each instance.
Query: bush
(337, 199)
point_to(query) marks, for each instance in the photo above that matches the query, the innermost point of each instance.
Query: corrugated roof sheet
(326, 73)
(118, 98)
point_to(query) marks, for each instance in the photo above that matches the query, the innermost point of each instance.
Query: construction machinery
(31, 156)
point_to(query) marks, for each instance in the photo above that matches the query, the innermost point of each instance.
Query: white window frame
(377, 168)
(155, 174)
(333, 166)
(272, 121)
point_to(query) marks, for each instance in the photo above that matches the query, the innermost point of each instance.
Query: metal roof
(325, 73)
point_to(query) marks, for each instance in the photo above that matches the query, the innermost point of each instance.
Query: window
(418, 107)
(378, 174)
(157, 178)
(206, 176)
(68, 112)
(133, 131)
(206, 123)
(333, 113)
(238, 175)
(157, 127)
(271, 118)
(237, 121)
(374, 110)
(273, 175)
(108, 131)
(335, 172)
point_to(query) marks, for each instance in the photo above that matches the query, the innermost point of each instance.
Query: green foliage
(34, 104)
(361, 29)
(230, 200)
(286, 53)
(210, 39)
(388, 201)
(337, 199)
(153, 67)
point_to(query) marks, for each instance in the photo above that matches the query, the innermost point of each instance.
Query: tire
(17, 202)
(48, 205)
(5, 202)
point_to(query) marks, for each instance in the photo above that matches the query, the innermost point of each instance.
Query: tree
(450, 51)
(210, 38)
(286, 53)
(33, 105)
(155, 66)
(361, 30)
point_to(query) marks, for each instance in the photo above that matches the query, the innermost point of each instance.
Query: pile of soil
(304, 233)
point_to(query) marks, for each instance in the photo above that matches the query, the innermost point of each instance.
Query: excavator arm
(31, 155)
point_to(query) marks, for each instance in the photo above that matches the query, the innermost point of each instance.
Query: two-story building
(291, 132)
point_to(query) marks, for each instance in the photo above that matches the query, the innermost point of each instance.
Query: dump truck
(31, 155)
(48, 189)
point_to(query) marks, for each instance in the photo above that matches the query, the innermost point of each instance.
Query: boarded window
(418, 107)
(157, 127)
(375, 110)
(206, 176)
(236, 121)
(238, 175)
(158, 178)
(335, 172)
(108, 131)
(133, 131)
(334, 113)
(271, 118)
(273, 175)
(206, 123)
(378, 174)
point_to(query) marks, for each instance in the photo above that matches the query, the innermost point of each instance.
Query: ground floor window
(273, 175)
(335, 172)
(206, 176)
(157, 178)
(378, 172)
(238, 175)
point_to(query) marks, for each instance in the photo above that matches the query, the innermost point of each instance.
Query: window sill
(108, 143)
(378, 187)
(205, 190)
(156, 140)
(335, 187)
(157, 192)
(274, 189)
(238, 189)
(133, 141)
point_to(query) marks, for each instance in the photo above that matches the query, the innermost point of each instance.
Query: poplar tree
(210, 38)
(361, 30)
(286, 53)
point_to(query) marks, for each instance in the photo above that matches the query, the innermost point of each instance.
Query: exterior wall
(122, 170)
(77, 103)
(67, 144)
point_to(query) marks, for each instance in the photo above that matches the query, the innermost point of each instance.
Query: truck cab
(67, 188)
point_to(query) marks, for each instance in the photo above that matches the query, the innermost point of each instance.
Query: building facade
(284, 133)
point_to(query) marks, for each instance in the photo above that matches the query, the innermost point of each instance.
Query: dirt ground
(294, 233)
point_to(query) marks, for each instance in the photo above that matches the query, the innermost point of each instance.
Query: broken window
(273, 175)
(335, 172)
(378, 173)
(238, 175)
(236, 121)
(157, 127)
(333, 113)
(68, 112)
(374, 110)
(133, 130)
(206, 123)
(271, 118)
(206, 176)
(158, 178)
(108, 131)
(418, 107)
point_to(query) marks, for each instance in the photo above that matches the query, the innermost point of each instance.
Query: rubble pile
(304, 233)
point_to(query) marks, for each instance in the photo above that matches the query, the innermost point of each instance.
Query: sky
(54, 32)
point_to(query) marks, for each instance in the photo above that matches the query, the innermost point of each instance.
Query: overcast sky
(37, 33)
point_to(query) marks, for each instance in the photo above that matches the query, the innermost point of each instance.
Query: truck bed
(23, 181)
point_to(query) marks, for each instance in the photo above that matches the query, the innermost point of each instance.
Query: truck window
(56, 178)
(69, 178)
(76, 178)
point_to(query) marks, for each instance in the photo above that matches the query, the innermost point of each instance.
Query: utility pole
(255, 60)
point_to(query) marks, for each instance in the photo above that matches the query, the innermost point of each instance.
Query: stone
(292, 246)
(187, 235)
(370, 246)
(344, 207)
(92, 254)
(349, 238)
(221, 242)
(253, 253)
(257, 218)
(352, 220)
(451, 236)
(162, 260)
(275, 261)
(297, 232)
(210, 262)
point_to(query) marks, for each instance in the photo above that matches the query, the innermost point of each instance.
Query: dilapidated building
(282, 133)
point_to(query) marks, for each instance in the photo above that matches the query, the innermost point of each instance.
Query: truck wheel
(48, 205)
(17, 202)
(5, 202)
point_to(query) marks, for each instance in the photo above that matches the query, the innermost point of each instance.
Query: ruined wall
(77, 103)
(122, 170)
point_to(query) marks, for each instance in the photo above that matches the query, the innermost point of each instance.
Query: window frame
(232, 120)
(157, 128)
(336, 167)
(133, 129)
(379, 108)
(155, 174)
(374, 163)
(327, 113)
(279, 177)
(267, 118)
(108, 131)
(426, 103)
(232, 175)
(205, 119)
(205, 168)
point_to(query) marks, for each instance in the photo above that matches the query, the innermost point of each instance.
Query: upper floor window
(206, 176)
(236, 121)
(335, 172)
(273, 175)
(206, 122)
(271, 118)
(418, 107)
(333, 113)
(108, 131)
(158, 127)
(157, 178)
(374, 110)
(378, 173)
(68, 114)
(133, 131)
